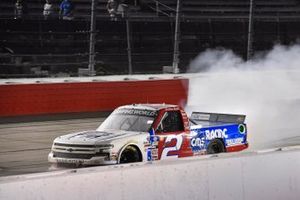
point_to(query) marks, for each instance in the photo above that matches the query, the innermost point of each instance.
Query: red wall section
(52, 98)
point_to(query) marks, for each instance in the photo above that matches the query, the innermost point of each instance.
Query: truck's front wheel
(131, 154)
(215, 146)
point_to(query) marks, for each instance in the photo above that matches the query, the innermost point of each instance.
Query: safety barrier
(266, 175)
(54, 98)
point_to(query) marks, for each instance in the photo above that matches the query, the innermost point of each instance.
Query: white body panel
(83, 148)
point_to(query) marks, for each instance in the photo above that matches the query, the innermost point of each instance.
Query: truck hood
(94, 137)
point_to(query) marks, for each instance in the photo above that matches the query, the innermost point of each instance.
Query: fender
(126, 145)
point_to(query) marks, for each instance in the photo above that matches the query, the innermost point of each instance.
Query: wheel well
(217, 140)
(134, 146)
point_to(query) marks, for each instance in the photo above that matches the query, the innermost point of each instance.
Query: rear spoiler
(216, 117)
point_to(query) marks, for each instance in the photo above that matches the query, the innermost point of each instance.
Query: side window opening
(172, 122)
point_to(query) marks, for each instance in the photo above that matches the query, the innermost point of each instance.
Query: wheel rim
(216, 147)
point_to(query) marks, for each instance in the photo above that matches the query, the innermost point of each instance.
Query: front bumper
(99, 160)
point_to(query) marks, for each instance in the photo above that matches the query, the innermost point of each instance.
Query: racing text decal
(216, 133)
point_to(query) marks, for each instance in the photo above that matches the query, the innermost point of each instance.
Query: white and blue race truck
(141, 132)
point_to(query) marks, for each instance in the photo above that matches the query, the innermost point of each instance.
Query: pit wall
(56, 98)
(272, 175)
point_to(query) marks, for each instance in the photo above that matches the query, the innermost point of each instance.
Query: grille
(74, 145)
(77, 155)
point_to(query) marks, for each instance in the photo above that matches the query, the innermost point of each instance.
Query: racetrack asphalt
(25, 146)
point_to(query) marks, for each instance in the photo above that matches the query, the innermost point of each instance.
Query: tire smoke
(266, 89)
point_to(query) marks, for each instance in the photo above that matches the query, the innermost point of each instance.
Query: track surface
(25, 146)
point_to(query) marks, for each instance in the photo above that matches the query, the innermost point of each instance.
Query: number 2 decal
(169, 149)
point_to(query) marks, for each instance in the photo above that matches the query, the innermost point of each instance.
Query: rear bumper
(237, 147)
(91, 161)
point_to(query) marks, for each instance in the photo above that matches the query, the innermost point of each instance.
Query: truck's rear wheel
(131, 154)
(215, 146)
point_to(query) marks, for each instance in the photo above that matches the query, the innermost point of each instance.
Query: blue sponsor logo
(197, 144)
(149, 154)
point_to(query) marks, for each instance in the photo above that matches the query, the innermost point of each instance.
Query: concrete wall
(54, 98)
(247, 176)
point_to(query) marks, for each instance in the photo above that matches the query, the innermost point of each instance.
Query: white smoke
(266, 89)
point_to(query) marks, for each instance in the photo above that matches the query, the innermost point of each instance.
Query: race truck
(149, 132)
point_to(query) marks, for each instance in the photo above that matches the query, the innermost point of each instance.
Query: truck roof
(149, 106)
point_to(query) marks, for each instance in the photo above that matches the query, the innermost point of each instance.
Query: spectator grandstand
(39, 47)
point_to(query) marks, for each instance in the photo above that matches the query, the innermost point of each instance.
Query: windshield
(129, 120)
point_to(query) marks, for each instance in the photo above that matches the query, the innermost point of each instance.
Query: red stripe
(237, 148)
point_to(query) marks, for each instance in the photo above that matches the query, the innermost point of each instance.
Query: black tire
(215, 146)
(131, 154)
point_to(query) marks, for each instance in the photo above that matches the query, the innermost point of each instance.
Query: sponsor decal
(201, 138)
(242, 128)
(149, 155)
(235, 141)
(125, 111)
(198, 143)
(93, 135)
(200, 116)
(152, 140)
(216, 133)
(151, 143)
(72, 161)
(151, 136)
(152, 154)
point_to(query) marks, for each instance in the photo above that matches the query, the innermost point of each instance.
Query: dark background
(34, 47)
